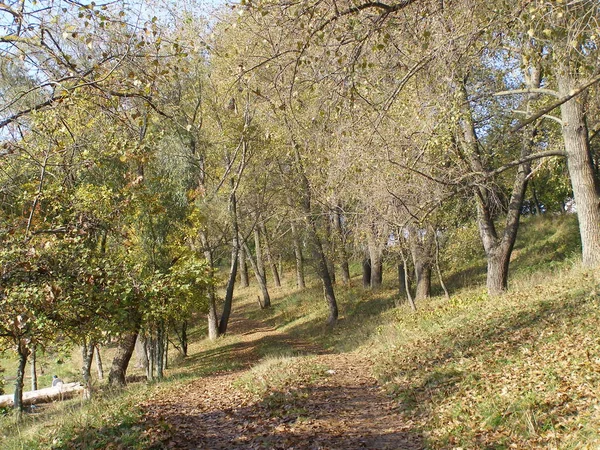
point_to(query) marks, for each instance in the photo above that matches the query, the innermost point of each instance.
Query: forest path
(342, 408)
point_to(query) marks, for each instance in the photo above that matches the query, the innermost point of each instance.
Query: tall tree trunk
(33, 364)
(23, 352)
(213, 320)
(270, 259)
(118, 369)
(244, 280)
(98, 358)
(585, 185)
(260, 279)
(299, 257)
(235, 246)
(316, 245)
(423, 279)
(87, 356)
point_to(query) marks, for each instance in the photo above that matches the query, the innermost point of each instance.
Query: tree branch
(543, 112)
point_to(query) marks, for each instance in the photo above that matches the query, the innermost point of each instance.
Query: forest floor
(332, 401)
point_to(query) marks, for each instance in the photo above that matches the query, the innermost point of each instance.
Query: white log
(56, 393)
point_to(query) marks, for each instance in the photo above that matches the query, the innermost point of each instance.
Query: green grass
(517, 371)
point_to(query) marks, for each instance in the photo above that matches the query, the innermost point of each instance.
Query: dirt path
(345, 409)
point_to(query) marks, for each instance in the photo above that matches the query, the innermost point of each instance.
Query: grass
(517, 371)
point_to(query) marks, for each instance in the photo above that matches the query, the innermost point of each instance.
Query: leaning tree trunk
(299, 258)
(260, 279)
(23, 352)
(270, 259)
(235, 247)
(98, 358)
(323, 272)
(317, 250)
(581, 170)
(118, 369)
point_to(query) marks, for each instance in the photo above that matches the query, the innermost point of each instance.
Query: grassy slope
(522, 370)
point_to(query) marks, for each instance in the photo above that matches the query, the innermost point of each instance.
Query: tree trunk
(150, 348)
(401, 285)
(423, 280)
(118, 369)
(213, 320)
(159, 353)
(497, 270)
(270, 259)
(498, 249)
(581, 169)
(235, 247)
(299, 258)
(243, 269)
(99, 368)
(33, 364)
(316, 246)
(260, 279)
(409, 296)
(323, 272)
(260, 262)
(366, 272)
(345, 267)
(23, 352)
(437, 263)
(87, 356)
(376, 258)
(182, 337)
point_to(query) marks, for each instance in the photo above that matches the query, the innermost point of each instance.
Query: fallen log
(61, 392)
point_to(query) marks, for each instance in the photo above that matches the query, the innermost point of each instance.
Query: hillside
(517, 371)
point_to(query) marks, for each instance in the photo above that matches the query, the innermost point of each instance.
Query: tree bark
(376, 258)
(87, 355)
(23, 352)
(409, 296)
(585, 185)
(33, 364)
(213, 320)
(343, 253)
(260, 279)
(401, 285)
(98, 358)
(118, 369)
(270, 259)
(243, 269)
(366, 272)
(235, 246)
(299, 257)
